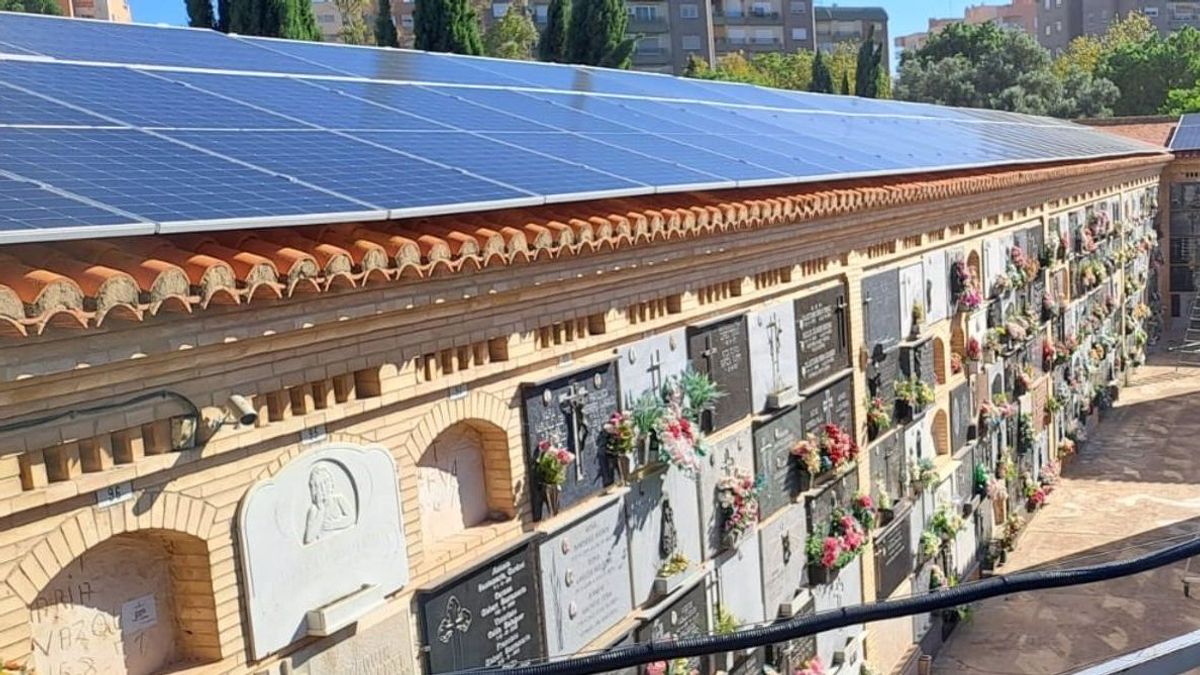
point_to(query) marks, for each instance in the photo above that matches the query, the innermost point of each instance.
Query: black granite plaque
(893, 555)
(822, 335)
(790, 656)
(749, 663)
(964, 475)
(684, 618)
(995, 314)
(887, 466)
(917, 359)
(962, 416)
(571, 411)
(881, 307)
(1035, 240)
(834, 403)
(839, 493)
(485, 618)
(720, 350)
(882, 372)
(773, 442)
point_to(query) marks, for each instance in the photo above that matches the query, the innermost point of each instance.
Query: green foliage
(596, 34)
(31, 6)
(726, 623)
(291, 19)
(1147, 71)
(200, 14)
(775, 69)
(700, 393)
(552, 46)
(354, 22)
(868, 66)
(446, 26)
(845, 88)
(385, 27)
(512, 36)
(223, 15)
(822, 76)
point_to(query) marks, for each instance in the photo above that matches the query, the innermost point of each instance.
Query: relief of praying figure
(329, 511)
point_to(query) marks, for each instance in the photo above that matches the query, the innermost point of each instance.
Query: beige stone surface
(1135, 488)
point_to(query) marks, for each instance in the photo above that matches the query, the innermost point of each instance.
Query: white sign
(313, 434)
(114, 494)
(139, 614)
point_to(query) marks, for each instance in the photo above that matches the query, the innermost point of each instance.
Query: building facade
(1060, 21)
(329, 20)
(106, 10)
(1019, 15)
(835, 25)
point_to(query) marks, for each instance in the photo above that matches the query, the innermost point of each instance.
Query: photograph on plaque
(822, 335)
(485, 618)
(569, 412)
(720, 351)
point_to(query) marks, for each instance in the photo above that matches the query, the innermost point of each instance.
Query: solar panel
(1187, 133)
(190, 129)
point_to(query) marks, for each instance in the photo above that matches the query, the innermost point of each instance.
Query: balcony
(651, 56)
(737, 17)
(656, 24)
(749, 44)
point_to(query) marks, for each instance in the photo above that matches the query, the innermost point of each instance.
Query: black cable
(92, 410)
(790, 629)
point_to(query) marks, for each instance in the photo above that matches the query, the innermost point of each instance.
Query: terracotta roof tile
(80, 283)
(1157, 133)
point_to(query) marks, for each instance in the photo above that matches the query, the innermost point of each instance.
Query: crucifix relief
(572, 403)
(655, 370)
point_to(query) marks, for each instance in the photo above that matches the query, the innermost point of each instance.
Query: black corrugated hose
(789, 629)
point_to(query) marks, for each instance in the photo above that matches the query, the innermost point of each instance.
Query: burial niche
(452, 479)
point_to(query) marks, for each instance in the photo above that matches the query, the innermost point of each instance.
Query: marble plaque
(773, 366)
(922, 622)
(822, 335)
(720, 350)
(977, 325)
(966, 549)
(887, 466)
(484, 618)
(893, 555)
(662, 512)
(1039, 397)
(331, 513)
(962, 416)
(646, 365)
(790, 656)
(882, 372)
(731, 453)
(937, 287)
(383, 649)
(686, 617)
(781, 544)
(819, 507)
(844, 591)
(918, 518)
(918, 441)
(773, 442)
(584, 580)
(739, 582)
(881, 301)
(570, 411)
(912, 291)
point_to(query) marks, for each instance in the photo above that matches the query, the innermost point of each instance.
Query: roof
(1155, 130)
(839, 13)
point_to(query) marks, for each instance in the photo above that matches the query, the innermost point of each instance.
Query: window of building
(689, 11)
(406, 21)
(644, 12)
(1047, 30)
(691, 42)
(761, 9)
(1057, 26)
(764, 36)
(798, 7)
(1151, 12)
(539, 13)
(499, 9)
(799, 33)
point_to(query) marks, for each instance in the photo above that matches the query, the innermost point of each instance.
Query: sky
(904, 16)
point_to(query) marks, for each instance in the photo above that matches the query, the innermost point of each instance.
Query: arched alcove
(453, 486)
(997, 383)
(939, 360)
(136, 603)
(941, 432)
(973, 265)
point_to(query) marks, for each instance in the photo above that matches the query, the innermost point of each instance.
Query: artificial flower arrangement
(1001, 285)
(1026, 435)
(864, 510)
(974, 349)
(679, 439)
(1051, 250)
(1035, 495)
(550, 467)
(737, 502)
(937, 578)
(1050, 473)
(1086, 242)
(1015, 331)
(994, 341)
(1027, 265)
(726, 622)
(947, 522)
(676, 667)
(1024, 380)
(1007, 467)
(812, 666)
(914, 393)
(965, 286)
(620, 441)
(930, 544)
(997, 490)
(1048, 354)
(834, 545)
(1099, 225)
(918, 319)
(1012, 528)
(830, 449)
(1141, 311)
(971, 299)
(879, 419)
(956, 363)
(922, 473)
(980, 477)
(667, 421)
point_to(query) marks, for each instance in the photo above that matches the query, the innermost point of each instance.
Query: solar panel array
(109, 129)
(1187, 133)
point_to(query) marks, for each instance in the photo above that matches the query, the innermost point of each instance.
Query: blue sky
(904, 16)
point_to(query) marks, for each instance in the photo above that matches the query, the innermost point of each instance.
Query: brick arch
(941, 432)
(939, 360)
(297, 449)
(445, 414)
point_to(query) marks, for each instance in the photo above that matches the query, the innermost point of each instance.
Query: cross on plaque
(840, 314)
(775, 344)
(707, 354)
(655, 370)
(572, 406)
(827, 406)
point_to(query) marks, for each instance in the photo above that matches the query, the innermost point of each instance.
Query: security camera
(246, 414)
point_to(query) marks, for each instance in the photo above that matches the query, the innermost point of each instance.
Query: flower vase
(820, 574)
(730, 540)
(644, 455)
(622, 463)
(666, 585)
(551, 495)
(972, 367)
(886, 516)
(809, 481)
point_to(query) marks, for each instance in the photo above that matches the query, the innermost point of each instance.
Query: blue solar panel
(18, 107)
(691, 156)
(362, 171)
(440, 104)
(155, 178)
(1187, 133)
(25, 207)
(136, 98)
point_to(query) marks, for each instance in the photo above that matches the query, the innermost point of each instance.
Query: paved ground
(1135, 487)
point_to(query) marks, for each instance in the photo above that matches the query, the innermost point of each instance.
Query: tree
(447, 26)
(552, 46)
(1146, 71)
(200, 14)
(843, 62)
(223, 15)
(846, 83)
(354, 21)
(513, 36)
(291, 19)
(596, 33)
(867, 66)
(771, 69)
(822, 78)
(31, 6)
(385, 27)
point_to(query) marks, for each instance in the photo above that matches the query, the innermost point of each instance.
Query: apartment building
(1019, 14)
(107, 10)
(835, 25)
(329, 20)
(670, 33)
(918, 40)
(1060, 21)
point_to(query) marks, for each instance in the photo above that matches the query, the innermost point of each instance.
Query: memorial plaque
(962, 416)
(485, 618)
(844, 591)
(584, 580)
(1021, 240)
(774, 379)
(749, 662)
(781, 544)
(1035, 240)
(888, 467)
(963, 479)
(739, 582)
(834, 404)
(662, 512)
(792, 655)
(1039, 397)
(918, 360)
(646, 365)
(819, 507)
(385, 648)
(924, 621)
(822, 334)
(719, 350)
(626, 640)
(995, 263)
(686, 617)
(918, 440)
(966, 549)
(912, 292)
(773, 443)
(731, 453)
(570, 412)
(893, 555)
(937, 287)
(882, 372)
(881, 301)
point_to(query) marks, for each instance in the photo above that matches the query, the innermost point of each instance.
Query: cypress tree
(447, 26)
(200, 13)
(597, 33)
(845, 83)
(552, 46)
(298, 22)
(866, 72)
(822, 77)
(292, 19)
(385, 28)
(223, 15)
